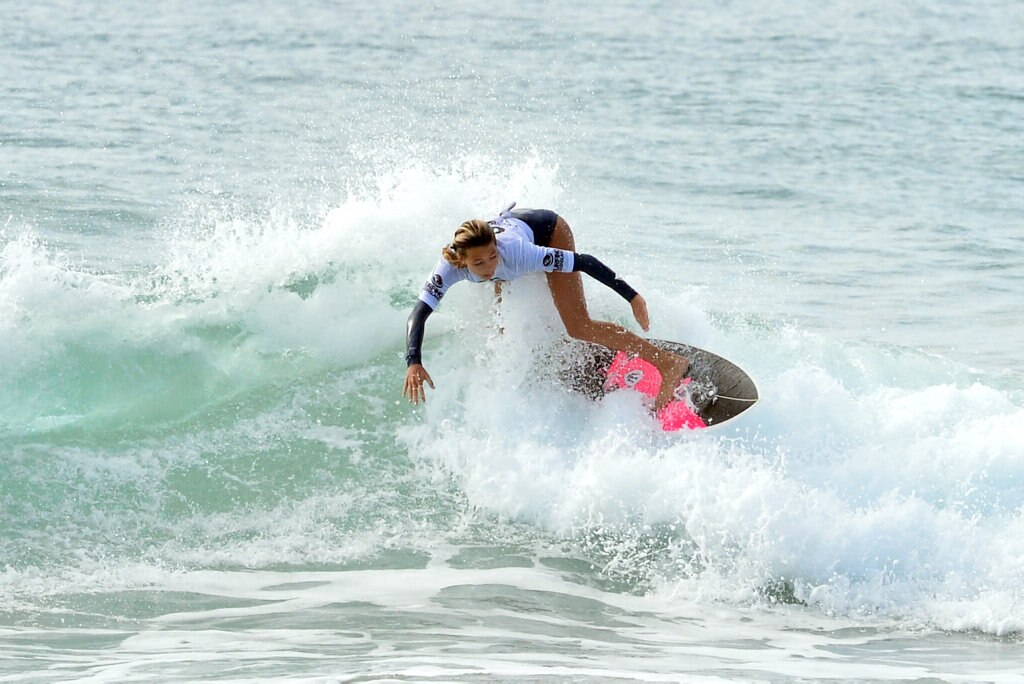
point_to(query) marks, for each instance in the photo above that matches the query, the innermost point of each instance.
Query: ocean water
(214, 219)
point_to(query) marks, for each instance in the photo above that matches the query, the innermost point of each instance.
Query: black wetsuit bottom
(541, 222)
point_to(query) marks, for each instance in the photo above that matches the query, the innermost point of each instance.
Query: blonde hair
(473, 233)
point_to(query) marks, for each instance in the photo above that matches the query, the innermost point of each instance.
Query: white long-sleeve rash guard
(517, 256)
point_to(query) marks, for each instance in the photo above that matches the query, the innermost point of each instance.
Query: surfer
(521, 242)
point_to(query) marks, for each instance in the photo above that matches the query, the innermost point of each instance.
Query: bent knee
(580, 329)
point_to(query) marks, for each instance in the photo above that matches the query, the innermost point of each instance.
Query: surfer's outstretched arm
(596, 269)
(416, 374)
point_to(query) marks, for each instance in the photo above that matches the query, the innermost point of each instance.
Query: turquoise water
(214, 219)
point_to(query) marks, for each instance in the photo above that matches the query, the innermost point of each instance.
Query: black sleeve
(602, 274)
(414, 332)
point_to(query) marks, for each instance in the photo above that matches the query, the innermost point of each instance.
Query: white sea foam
(868, 481)
(853, 487)
(440, 622)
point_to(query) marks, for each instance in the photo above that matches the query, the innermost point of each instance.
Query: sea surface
(215, 218)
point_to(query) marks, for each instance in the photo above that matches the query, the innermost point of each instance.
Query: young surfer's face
(482, 261)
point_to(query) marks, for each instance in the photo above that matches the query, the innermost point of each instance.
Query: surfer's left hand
(640, 312)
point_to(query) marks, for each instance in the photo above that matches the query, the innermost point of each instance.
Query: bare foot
(671, 375)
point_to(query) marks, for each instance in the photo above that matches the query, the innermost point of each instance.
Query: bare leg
(567, 293)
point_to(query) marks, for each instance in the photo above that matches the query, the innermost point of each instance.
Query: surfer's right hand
(414, 379)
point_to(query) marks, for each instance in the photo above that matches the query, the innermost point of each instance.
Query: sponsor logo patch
(438, 281)
(548, 260)
(433, 290)
(633, 377)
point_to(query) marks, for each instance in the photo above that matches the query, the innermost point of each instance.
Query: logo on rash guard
(432, 289)
(438, 281)
(556, 257)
